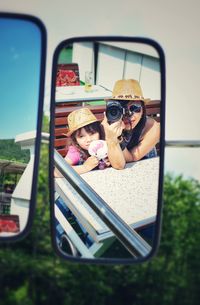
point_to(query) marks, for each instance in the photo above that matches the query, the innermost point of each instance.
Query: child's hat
(80, 118)
(128, 90)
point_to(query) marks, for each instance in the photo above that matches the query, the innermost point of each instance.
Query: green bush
(32, 274)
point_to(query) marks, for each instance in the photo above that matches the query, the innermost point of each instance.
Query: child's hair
(90, 128)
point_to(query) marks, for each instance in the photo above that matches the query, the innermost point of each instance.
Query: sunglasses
(135, 108)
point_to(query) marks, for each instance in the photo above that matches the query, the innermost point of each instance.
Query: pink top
(74, 155)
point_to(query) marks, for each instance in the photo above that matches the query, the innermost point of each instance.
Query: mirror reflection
(107, 128)
(20, 51)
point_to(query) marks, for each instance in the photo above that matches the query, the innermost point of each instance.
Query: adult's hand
(112, 131)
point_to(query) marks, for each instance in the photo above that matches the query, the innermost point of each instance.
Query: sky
(19, 77)
(174, 24)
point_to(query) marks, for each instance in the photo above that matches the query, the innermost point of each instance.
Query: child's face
(84, 138)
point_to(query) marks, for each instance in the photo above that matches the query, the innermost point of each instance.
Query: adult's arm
(112, 134)
(150, 137)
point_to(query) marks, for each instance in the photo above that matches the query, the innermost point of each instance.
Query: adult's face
(135, 111)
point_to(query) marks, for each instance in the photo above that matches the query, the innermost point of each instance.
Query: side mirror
(22, 61)
(106, 202)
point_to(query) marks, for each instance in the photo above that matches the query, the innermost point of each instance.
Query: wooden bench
(62, 111)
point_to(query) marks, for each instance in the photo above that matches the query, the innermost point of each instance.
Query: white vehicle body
(174, 24)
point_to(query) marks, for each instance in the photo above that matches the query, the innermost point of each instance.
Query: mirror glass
(20, 64)
(107, 122)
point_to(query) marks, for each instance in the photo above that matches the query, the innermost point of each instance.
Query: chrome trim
(182, 143)
(45, 137)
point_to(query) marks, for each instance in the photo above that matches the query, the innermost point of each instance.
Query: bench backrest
(67, 75)
(62, 111)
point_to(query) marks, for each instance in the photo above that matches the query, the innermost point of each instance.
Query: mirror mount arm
(134, 243)
(183, 143)
(45, 137)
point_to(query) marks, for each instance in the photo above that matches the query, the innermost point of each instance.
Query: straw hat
(128, 90)
(80, 118)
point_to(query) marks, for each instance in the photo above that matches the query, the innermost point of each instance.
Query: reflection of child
(83, 129)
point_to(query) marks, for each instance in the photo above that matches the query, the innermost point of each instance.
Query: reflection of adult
(133, 136)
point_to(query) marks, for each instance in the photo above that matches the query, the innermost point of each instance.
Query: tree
(32, 274)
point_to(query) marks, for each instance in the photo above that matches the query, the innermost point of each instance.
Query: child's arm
(87, 166)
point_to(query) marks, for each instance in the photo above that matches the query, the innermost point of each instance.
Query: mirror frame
(38, 23)
(156, 240)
